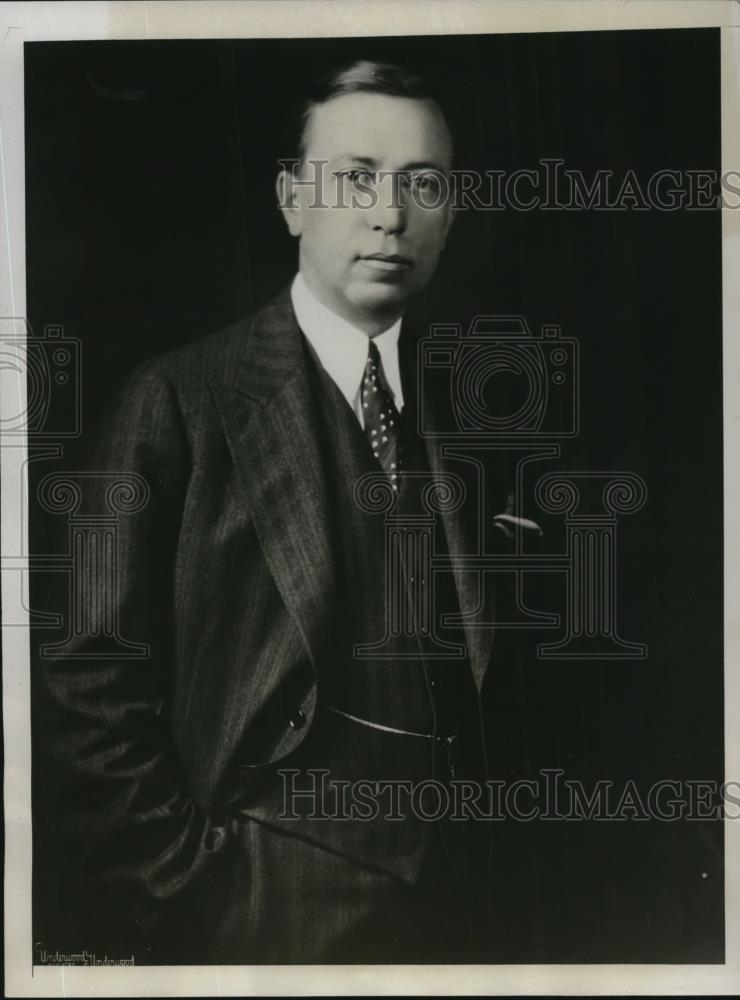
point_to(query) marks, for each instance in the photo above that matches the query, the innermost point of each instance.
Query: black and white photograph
(369, 596)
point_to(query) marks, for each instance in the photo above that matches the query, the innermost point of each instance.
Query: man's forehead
(390, 131)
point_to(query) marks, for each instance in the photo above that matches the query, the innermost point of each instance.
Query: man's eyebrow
(423, 165)
(368, 161)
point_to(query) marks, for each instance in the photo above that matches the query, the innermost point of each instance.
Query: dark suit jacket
(227, 575)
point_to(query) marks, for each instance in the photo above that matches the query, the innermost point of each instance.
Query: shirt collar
(341, 347)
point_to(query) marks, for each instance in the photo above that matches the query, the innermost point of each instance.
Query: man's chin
(381, 296)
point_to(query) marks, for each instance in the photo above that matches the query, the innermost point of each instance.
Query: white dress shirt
(342, 348)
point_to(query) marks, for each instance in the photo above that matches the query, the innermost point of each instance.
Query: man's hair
(363, 77)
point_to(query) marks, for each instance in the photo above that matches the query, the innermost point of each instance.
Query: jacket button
(298, 719)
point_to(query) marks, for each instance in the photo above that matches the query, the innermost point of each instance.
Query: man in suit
(183, 787)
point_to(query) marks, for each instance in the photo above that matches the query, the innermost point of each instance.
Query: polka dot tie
(382, 423)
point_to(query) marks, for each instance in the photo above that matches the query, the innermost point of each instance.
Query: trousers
(309, 905)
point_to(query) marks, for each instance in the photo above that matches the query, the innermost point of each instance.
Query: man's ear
(288, 203)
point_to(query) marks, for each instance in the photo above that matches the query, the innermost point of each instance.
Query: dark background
(152, 221)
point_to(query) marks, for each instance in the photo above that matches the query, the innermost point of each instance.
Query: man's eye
(425, 182)
(360, 178)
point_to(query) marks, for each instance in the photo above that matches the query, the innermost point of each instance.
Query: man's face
(368, 241)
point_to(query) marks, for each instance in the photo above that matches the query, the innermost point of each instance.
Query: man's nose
(388, 213)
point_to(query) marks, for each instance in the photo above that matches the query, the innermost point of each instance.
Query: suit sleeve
(112, 786)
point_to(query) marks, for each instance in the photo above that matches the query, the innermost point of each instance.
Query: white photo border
(22, 22)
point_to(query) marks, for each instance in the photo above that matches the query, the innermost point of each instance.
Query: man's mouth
(386, 261)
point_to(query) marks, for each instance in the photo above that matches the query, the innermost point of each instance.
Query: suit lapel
(272, 428)
(461, 525)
